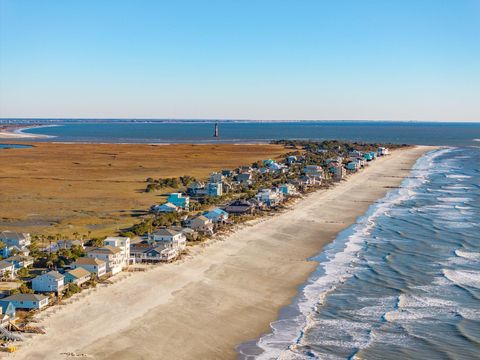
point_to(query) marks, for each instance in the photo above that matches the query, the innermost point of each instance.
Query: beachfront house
(171, 236)
(122, 243)
(382, 151)
(77, 276)
(337, 170)
(165, 208)
(26, 301)
(179, 200)
(240, 207)
(201, 224)
(368, 156)
(15, 243)
(7, 270)
(52, 281)
(111, 255)
(313, 171)
(161, 252)
(288, 189)
(353, 166)
(155, 252)
(92, 265)
(270, 197)
(217, 215)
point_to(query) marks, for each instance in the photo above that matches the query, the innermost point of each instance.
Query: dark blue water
(403, 282)
(455, 134)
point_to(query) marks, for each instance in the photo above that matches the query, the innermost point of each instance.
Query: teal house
(179, 200)
(368, 156)
(216, 215)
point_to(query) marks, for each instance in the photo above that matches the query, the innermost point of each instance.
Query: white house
(202, 224)
(382, 151)
(217, 215)
(93, 265)
(175, 237)
(338, 171)
(121, 242)
(165, 208)
(111, 255)
(26, 301)
(52, 281)
(270, 197)
(15, 242)
(7, 270)
(314, 171)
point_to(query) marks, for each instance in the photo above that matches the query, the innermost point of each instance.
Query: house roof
(107, 249)
(79, 273)
(166, 232)
(216, 211)
(168, 204)
(54, 274)
(5, 264)
(88, 261)
(202, 218)
(24, 297)
(7, 234)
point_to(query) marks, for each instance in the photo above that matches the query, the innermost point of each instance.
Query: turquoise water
(455, 134)
(401, 283)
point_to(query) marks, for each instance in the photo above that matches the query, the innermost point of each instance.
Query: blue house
(179, 200)
(25, 301)
(368, 156)
(216, 215)
(214, 189)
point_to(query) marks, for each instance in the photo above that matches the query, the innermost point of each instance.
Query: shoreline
(221, 296)
(17, 132)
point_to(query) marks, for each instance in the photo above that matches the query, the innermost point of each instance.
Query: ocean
(116, 131)
(403, 282)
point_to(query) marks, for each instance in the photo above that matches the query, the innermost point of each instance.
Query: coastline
(17, 132)
(227, 293)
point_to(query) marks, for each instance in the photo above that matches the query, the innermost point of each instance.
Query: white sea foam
(468, 254)
(454, 199)
(458, 176)
(282, 342)
(463, 277)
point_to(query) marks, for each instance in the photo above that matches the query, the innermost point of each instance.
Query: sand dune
(225, 293)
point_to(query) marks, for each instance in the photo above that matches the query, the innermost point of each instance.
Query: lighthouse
(215, 131)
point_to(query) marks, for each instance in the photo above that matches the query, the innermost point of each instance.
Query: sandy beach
(222, 294)
(15, 132)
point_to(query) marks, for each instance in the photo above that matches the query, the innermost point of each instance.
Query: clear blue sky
(241, 59)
